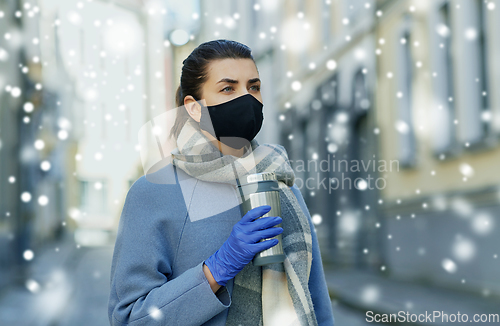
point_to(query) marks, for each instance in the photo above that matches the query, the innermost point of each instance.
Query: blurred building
(33, 162)
(387, 110)
(317, 95)
(113, 52)
(410, 94)
(78, 80)
(398, 97)
(439, 115)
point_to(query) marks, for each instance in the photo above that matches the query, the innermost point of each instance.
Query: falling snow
(333, 87)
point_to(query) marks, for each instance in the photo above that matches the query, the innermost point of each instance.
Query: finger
(258, 235)
(256, 212)
(260, 246)
(269, 233)
(264, 223)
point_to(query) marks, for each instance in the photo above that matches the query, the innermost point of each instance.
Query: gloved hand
(243, 244)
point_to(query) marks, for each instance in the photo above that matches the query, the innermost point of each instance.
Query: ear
(193, 108)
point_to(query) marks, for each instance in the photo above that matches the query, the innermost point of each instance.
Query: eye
(227, 88)
(257, 87)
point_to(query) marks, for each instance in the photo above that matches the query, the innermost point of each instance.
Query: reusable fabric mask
(234, 123)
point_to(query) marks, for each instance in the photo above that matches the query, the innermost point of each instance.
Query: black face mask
(234, 123)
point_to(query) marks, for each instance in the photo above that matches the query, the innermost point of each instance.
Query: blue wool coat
(167, 229)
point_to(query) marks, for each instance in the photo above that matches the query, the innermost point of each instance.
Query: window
(354, 9)
(93, 196)
(286, 130)
(360, 101)
(325, 21)
(329, 92)
(448, 52)
(469, 98)
(404, 124)
(304, 122)
(444, 110)
(303, 55)
(483, 65)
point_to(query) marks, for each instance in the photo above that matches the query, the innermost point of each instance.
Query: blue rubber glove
(243, 244)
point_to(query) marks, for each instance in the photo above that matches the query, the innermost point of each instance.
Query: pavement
(367, 292)
(345, 315)
(66, 285)
(69, 285)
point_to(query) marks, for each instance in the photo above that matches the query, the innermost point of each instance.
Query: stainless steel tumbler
(262, 189)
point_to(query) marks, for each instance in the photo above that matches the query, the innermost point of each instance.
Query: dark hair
(194, 73)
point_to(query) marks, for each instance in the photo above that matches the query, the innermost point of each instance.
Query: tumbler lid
(263, 176)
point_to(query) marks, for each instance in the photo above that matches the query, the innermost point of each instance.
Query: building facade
(396, 100)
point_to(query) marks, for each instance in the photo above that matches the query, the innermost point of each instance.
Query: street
(69, 286)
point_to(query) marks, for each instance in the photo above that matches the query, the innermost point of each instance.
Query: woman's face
(227, 79)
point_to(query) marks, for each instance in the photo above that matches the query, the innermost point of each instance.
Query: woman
(183, 250)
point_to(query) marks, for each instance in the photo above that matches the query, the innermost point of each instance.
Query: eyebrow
(233, 81)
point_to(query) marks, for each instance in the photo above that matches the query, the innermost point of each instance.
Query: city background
(406, 83)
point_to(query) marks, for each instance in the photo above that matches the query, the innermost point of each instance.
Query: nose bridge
(242, 90)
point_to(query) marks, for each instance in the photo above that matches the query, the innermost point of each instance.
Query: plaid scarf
(274, 294)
